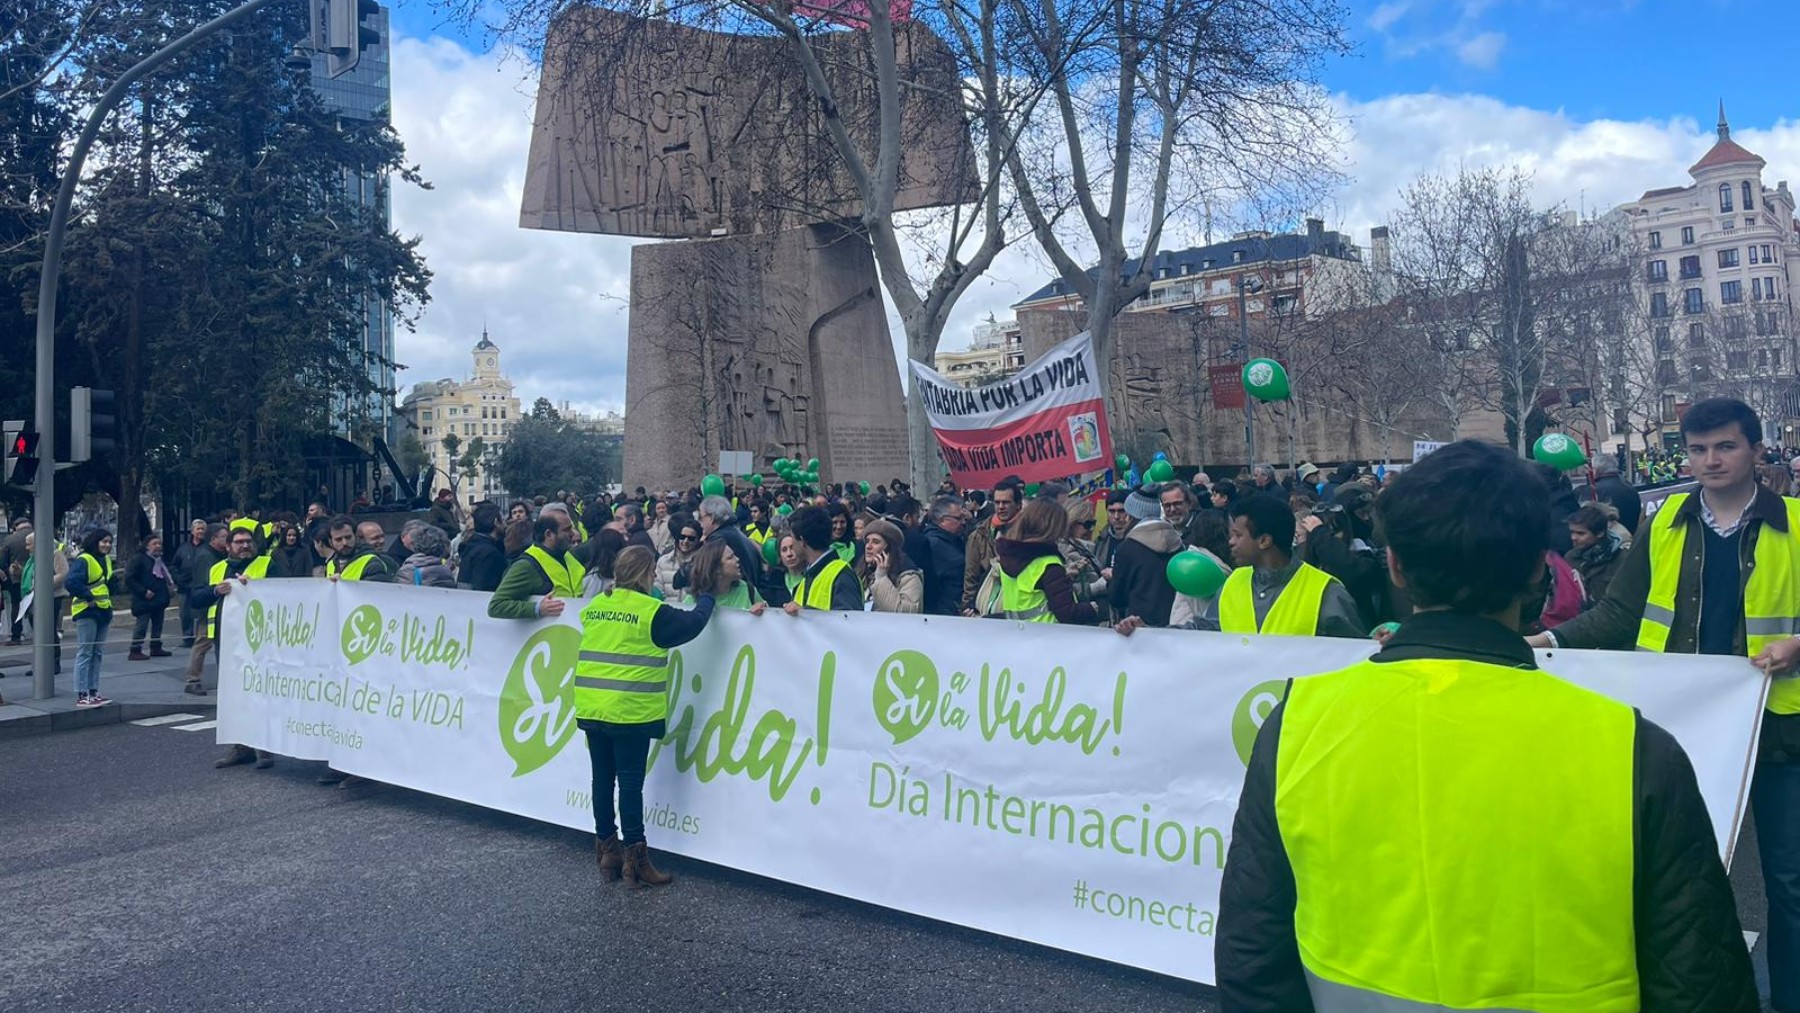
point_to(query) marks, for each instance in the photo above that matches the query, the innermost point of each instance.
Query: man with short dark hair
(539, 582)
(1271, 591)
(481, 557)
(1119, 523)
(631, 517)
(185, 569)
(1444, 826)
(979, 561)
(1716, 572)
(12, 567)
(353, 557)
(827, 583)
(242, 564)
(1177, 503)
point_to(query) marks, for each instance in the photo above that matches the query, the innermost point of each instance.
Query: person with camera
(1339, 538)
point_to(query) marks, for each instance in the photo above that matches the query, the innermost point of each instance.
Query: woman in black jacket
(152, 588)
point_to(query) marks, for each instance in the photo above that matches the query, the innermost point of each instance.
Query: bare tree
(1163, 108)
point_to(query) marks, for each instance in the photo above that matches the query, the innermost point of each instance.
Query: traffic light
(345, 34)
(93, 423)
(21, 455)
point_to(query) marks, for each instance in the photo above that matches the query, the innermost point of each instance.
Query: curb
(45, 722)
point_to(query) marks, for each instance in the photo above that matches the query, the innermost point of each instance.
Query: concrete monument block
(646, 127)
(775, 343)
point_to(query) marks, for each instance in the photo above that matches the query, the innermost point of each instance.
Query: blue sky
(1598, 100)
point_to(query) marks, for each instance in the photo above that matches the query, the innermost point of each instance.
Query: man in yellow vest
(1718, 572)
(538, 583)
(1271, 591)
(827, 584)
(1446, 827)
(240, 567)
(353, 558)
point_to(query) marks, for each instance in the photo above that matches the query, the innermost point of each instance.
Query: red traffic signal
(21, 458)
(24, 444)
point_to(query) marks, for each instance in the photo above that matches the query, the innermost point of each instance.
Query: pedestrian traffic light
(93, 423)
(346, 36)
(21, 456)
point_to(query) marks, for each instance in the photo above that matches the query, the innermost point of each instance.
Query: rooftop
(1725, 151)
(1254, 248)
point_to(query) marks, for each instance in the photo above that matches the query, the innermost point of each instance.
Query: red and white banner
(1046, 422)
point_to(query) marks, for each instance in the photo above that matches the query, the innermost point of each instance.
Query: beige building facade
(482, 407)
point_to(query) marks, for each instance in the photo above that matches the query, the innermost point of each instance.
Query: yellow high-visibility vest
(1294, 614)
(99, 581)
(815, 591)
(565, 575)
(1415, 801)
(621, 676)
(256, 570)
(1020, 598)
(1771, 595)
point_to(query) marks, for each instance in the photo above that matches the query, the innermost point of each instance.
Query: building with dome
(483, 407)
(1714, 285)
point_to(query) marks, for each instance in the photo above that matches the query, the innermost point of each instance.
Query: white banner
(1049, 783)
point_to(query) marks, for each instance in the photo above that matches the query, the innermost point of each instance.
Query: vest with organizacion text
(1461, 837)
(621, 676)
(1771, 595)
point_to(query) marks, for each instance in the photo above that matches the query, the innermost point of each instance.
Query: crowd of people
(1458, 566)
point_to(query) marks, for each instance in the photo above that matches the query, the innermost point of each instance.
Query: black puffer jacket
(1690, 948)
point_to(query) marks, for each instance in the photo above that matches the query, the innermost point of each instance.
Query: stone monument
(765, 329)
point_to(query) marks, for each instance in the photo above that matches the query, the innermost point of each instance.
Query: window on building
(468, 429)
(1731, 292)
(427, 430)
(1768, 254)
(1696, 335)
(1762, 322)
(1665, 371)
(1753, 249)
(1700, 370)
(1724, 196)
(1762, 357)
(1693, 301)
(1659, 304)
(1736, 326)
(1659, 335)
(1775, 358)
(1749, 221)
(1659, 270)
(1656, 240)
(1737, 361)
(1728, 224)
(1668, 401)
(1687, 235)
(1755, 288)
(424, 415)
(1728, 257)
(1286, 304)
(502, 413)
(1748, 204)
(1690, 267)
(1621, 421)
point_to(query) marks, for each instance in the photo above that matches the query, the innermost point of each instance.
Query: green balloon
(756, 480)
(771, 549)
(1193, 573)
(864, 486)
(784, 509)
(1031, 488)
(812, 465)
(1122, 463)
(1121, 485)
(712, 485)
(1558, 450)
(1265, 380)
(1160, 471)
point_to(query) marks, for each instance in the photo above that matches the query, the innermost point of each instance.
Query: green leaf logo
(906, 694)
(537, 703)
(1252, 711)
(253, 626)
(361, 634)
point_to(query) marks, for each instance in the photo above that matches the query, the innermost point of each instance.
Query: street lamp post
(1247, 283)
(43, 606)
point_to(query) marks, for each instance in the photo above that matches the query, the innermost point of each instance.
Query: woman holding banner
(622, 703)
(715, 568)
(1034, 585)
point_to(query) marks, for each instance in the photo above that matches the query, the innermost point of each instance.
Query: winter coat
(902, 593)
(1623, 498)
(1015, 556)
(422, 568)
(482, 561)
(443, 516)
(669, 565)
(298, 561)
(977, 558)
(149, 593)
(940, 559)
(1597, 564)
(1140, 581)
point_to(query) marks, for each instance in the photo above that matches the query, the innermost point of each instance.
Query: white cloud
(1384, 15)
(553, 302)
(1482, 51)
(556, 302)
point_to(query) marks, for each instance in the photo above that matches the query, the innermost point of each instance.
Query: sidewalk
(139, 689)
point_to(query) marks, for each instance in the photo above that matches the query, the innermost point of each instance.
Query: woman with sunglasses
(672, 566)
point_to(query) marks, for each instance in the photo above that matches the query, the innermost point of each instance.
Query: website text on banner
(1046, 422)
(1085, 783)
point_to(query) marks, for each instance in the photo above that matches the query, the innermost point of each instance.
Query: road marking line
(166, 719)
(200, 727)
(1750, 940)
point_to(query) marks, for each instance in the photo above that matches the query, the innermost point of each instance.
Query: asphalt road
(138, 878)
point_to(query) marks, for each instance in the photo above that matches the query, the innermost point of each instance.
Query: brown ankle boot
(611, 856)
(638, 870)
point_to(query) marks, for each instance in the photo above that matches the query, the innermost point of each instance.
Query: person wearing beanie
(1139, 583)
(894, 583)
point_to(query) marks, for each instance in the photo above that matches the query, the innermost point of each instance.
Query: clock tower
(487, 357)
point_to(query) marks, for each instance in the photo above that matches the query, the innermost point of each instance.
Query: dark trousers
(11, 594)
(152, 622)
(619, 756)
(1775, 799)
(191, 618)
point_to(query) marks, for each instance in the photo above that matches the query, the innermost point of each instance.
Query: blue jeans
(90, 634)
(1775, 799)
(619, 754)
